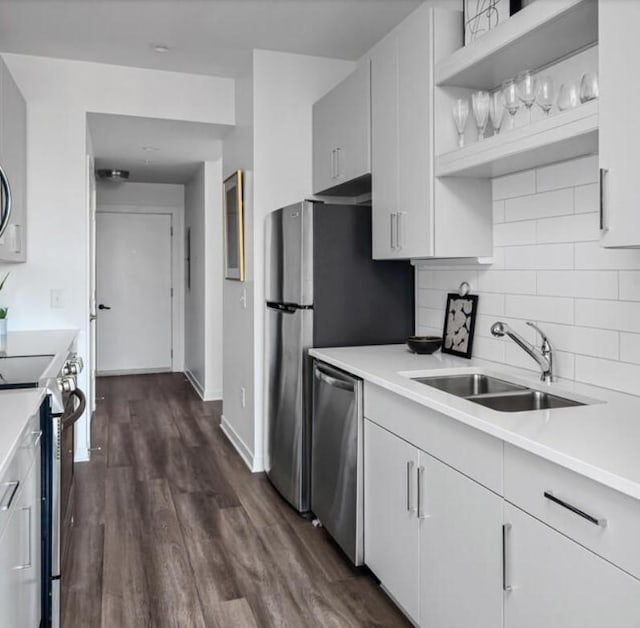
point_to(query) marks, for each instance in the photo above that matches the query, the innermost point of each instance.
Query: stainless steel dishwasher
(336, 457)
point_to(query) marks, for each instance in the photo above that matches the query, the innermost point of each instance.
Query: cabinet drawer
(599, 518)
(473, 453)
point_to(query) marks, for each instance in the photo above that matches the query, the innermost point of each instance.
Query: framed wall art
(480, 16)
(459, 324)
(233, 227)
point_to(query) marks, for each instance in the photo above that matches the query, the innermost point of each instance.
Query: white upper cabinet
(342, 137)
(415, 215)
(13, 158)
(619, 123)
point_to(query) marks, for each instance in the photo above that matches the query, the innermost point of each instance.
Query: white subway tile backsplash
(608, 374)
(593, 284)
(574, 228)
(517, 184)
(513, 233)
(615, 315)
(549, 267)
(552, 309)
(539, 257)
(590, 255)
(586, 198)
(568, 174)
(555, 203)
(630, 285)
(630, 348)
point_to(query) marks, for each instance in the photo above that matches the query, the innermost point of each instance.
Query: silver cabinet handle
(38, 436)
(27, 565)
(603, 172)
(410, 465)
(9, 494)
(333, 163)
(394, 230)
(420, 509)
(581, 513)
(6, 208)
(338, 162)
(506, 586)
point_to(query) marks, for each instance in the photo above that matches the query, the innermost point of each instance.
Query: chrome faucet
(543, 356)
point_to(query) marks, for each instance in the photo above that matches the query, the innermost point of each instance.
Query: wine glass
(545, 94)
(480, 105)
(496, 110)
(511, 101)
(526, 82)
(589, 89)
(460, 115)
(569, 96)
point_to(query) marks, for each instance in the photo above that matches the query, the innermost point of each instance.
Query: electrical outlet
(243, 396)
(57, 298)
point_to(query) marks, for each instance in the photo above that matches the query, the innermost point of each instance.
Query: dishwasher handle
(333, 378)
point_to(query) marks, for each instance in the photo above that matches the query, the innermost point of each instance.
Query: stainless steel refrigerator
(322, 290)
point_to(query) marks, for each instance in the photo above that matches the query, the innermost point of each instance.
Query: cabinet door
(342, 132)
(391, 529)
(13, 157)
(10, 578)
(384, 147)
(460, 549)
(619, 121)
(556, 583)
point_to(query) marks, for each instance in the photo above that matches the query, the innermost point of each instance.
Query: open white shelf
(539, 34)
(562, 136)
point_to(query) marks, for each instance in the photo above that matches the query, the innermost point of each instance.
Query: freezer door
(289, 333)
(336, 457)
(289, 255)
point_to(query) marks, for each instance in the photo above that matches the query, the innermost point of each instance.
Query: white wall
(59, 93)
(203, 302)
(551, 269)
(157, 198)
(283, 89)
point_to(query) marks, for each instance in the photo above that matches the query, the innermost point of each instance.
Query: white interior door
(134, 325)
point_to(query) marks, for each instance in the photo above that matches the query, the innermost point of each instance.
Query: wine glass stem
(460, 140)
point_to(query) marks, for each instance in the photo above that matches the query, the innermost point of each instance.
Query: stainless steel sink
(525, 401)
(470, 384)
(496, 393)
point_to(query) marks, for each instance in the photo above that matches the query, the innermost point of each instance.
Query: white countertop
(17, 406)
(600, 441)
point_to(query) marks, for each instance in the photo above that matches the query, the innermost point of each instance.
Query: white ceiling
(119, 142)
(205, 36)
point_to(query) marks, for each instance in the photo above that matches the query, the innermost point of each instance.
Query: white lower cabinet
(553, 582)
(432, 535)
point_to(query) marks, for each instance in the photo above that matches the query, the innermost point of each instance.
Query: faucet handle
(545, 340)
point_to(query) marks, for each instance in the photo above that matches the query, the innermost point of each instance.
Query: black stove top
(22, 371)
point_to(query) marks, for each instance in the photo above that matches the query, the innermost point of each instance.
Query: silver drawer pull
(506, 586)
(9, 494)
(38, 436)
(581, 513)
(29, 563)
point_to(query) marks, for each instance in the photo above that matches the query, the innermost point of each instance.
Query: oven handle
(68, 420)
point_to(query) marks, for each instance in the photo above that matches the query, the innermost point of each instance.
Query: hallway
(172, 530)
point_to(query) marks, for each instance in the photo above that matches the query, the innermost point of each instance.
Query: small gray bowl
(424, 344)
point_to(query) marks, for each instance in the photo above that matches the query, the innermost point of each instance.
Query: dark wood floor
(171, 529)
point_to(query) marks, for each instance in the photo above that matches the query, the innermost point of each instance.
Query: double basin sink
(496, 393)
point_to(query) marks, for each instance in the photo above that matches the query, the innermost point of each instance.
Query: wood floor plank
(89, 491)
(236, 613)
(120, 452)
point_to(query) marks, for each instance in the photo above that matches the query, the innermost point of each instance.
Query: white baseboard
(118, 372)
(205, 395)
(241, 447)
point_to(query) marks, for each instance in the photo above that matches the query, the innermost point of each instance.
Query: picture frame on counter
(459, 324)
(233, 227)
(481, 16)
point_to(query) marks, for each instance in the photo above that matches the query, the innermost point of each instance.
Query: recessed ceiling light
(150, 149)
(160, 48)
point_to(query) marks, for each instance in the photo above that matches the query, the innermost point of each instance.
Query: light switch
(57, 298)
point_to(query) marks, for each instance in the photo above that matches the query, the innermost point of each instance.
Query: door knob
(103, 307)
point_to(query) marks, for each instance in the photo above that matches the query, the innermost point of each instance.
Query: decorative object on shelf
(480, 16)
(233, 227)
(545, 94)
(568, 96)
(460, 322)
(4, 311)
(460, 116)
(496, 110)
(511, 100)
(526, 83)
(424, 344)
(480, 105)
(589, 88)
